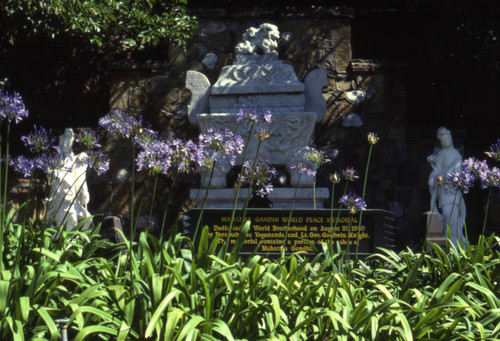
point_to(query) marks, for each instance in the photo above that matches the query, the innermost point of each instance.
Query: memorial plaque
(306, 231)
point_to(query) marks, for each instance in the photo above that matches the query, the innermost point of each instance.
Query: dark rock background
(382, 51)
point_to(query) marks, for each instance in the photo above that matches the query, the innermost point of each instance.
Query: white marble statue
(446, 199)
(69, 196)
(262, 40)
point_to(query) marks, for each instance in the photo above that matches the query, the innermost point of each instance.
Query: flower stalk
(169, 197)
(235, 203)
(372, 140)
(486, 211)
(283, 247)
(3, 199)
(334, 179)
(203, 203)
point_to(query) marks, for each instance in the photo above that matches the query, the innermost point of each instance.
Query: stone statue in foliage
(69, 195)
(446, 199)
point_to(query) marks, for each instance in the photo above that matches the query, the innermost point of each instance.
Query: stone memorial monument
(446, 200)
(258, 78)
(69, 196)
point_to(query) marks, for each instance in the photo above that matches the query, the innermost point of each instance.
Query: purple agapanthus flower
(353, 203)
(479, 169)
(216, 144)
(145, 137)
(463, 179)
(45, 162)
(259, 176)
(309, 161)
(88, 139)
(48, 162)
(254, 115)
(184, 154)
(12, 107)
(304, 167)
(494, 152)
(154, 158)
(483, 171)
(475, 166)
(492, 179)
(350, 174)
(158, 157)
(119, 123)
(39, 140)
(23, 165)
(96, 161)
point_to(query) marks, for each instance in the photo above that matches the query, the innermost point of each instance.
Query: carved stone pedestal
(435, 232)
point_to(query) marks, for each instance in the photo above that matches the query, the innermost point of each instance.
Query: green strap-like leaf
(159, 311)
(222, 328)
(173, 319)
(16, 327)
(24, 307)
(4, 294)
(54, 332)
(123, 332)
(408, 334)
(107, 317)
(190, 326)
(48, 253)
(446, 286)
(93, 330)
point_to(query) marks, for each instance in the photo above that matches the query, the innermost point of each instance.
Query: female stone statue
(446, 199)
(69, 195)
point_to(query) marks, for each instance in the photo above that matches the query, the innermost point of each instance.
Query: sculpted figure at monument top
(262, 40)
(69, 194)
(446, 199)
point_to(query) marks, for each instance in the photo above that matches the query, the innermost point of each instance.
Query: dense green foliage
(57, 53)
(176, 291)
(122, 25)
(145, 288)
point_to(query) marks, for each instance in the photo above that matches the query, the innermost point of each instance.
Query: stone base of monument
(435, 232)
(281, 197)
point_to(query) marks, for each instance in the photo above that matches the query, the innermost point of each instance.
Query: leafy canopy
(118, 24)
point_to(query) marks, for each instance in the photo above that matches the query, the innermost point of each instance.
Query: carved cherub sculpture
(262, 40)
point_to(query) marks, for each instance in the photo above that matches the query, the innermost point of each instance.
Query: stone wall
(312, 39)
(362, 96)
(394, 179)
